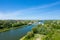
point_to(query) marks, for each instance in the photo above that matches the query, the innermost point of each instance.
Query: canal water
(15, 34)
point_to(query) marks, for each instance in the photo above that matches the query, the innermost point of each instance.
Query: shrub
(30, 34)
(35, 30)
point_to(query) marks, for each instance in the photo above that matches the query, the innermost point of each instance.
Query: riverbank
(6, 25)
(50, 30)
(36, 37)
(7, 29)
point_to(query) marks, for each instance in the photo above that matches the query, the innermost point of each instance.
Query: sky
(30, 9)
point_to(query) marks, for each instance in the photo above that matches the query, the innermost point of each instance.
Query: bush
(35, 30)
(30, 34)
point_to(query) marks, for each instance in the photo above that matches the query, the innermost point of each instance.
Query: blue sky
(30, 9)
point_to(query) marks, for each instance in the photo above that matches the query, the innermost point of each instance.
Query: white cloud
(10, 15)
(14, 15)
(44, 6)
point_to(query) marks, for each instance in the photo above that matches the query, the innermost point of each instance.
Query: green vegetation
(13, 24)
(50, 30)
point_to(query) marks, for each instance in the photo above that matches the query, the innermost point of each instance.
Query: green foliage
(29, 35)
(7, 24)
(35, 30)
(50, 28)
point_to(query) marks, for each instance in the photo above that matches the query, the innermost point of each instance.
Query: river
(15, 34)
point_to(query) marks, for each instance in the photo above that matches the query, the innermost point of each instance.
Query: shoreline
(7, 29)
